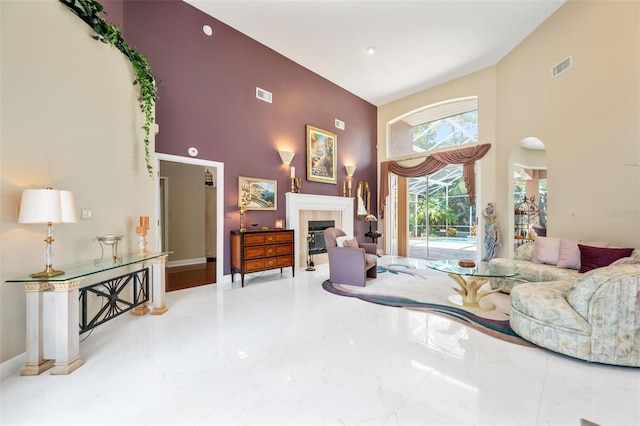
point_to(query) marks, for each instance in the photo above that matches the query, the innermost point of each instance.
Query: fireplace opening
(316, 235)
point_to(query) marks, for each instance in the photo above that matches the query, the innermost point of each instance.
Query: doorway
(195, 262)
(442, 222)
(527, 192)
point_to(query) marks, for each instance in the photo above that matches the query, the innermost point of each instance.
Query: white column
(158, 285)
(66, 317)
(35, 364)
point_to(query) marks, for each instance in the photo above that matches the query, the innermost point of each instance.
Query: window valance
(431, 164)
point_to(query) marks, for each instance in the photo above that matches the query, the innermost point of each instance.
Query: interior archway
(527, 193)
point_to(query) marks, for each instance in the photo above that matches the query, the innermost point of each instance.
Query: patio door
(441, 221)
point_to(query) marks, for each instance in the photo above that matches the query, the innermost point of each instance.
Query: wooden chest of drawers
(254, 251)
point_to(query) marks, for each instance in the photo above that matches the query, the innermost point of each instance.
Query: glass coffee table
(469, 295)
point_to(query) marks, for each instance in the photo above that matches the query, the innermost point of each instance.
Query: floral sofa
(529, 271)
(595, 318)
(593, 315)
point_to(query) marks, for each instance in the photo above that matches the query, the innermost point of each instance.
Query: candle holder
(142, 243)
(346, 188)
(142, 235)
(242, 210)
(296, 184)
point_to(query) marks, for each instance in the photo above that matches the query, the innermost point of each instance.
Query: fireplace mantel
(311, 202)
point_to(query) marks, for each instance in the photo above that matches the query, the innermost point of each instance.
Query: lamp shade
(47, 205)
(350, 170)
(370, 218)
(286, 156)
(68, 207)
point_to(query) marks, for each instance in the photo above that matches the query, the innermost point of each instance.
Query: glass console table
(58, 308)
(469, 295)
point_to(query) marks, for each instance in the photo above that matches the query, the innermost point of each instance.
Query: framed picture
(322, 155)
(278, 223)
(257, 193)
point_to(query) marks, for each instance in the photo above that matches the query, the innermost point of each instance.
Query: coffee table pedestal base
(469, 295)
(480, 305)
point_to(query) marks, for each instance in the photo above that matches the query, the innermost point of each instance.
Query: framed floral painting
(322, 155)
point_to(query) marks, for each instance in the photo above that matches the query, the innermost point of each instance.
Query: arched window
(440, 221)
(434, 127)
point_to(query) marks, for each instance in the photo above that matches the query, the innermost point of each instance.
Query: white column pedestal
(158, 286)
(35, 364)
(67, 338)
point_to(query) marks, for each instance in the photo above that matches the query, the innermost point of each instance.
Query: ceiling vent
(263, 95)
(561, 67)
(340, 124)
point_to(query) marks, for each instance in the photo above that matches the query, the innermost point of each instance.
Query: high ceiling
(418, 44)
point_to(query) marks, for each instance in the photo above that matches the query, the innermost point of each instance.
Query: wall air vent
(263, 95)
(340, 124)
(561, 67)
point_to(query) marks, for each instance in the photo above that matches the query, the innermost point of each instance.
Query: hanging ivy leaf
(88, 11)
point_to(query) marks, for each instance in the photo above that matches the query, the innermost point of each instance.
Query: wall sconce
(47, 206)
(350, 170)
(286, 157)
(346, 185)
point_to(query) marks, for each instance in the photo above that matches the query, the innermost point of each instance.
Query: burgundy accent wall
(113, 12)
(207, 99)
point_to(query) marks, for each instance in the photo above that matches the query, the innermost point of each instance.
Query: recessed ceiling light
(207, 30)
(371, 50)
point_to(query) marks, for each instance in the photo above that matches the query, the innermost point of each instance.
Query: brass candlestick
(296, 184)
(242, 210)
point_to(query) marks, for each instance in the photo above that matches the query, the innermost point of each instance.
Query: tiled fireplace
(302, 208)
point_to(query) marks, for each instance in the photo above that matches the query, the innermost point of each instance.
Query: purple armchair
(350, 265)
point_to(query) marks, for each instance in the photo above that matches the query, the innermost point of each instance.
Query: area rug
(426, 290)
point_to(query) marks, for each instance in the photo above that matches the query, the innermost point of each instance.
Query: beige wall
(587, 118)
(70, 120)
(480, 84)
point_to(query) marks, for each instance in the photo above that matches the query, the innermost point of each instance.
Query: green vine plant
(88, 11)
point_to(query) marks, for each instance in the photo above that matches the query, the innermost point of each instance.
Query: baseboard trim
(12, 366)
(186, 262)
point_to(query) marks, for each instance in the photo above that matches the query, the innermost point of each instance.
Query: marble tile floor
(282, 351)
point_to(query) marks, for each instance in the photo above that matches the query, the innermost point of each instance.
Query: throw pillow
(569, 257)
(351, 243)
(340, 240)
(598, 257)
(546, 250)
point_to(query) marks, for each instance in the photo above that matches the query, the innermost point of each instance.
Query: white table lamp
(47, 206)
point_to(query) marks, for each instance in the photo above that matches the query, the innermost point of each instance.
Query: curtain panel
(431, 164)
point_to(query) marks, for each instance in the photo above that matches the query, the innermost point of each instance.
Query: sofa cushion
(370, 260)
(598, 257)
(626, 261)
(583, 289)
(570, 253)
(547, 302)
(546, 250)
(340, 240)
(524, 252)
(569, 256)
(529, 272)
(351, 243)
